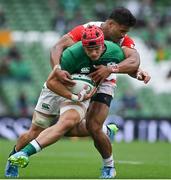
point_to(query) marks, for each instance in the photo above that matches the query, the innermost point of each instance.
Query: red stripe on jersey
(128, 42)
(113, 81)
(76, 32)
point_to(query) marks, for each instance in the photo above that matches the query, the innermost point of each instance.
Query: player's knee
(69, 124)
(65, 126)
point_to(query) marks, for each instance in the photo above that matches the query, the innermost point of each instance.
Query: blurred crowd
(13, 66)
(127, 105)
(152, 16)
(2, 18)
(153, 20)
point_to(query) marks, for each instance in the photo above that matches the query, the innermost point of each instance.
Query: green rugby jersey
(75, 60)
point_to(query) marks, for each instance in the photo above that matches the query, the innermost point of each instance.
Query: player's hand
(90, 94)
(64, 77)
(101, 73)
(143, 76)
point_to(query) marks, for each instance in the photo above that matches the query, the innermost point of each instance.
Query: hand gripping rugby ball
(81, 80)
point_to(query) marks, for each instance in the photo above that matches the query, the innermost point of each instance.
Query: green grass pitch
(78, 159)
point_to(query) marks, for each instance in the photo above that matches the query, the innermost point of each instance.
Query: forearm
(57, 87)
(131, 62)
(55, 55)
(128, 66)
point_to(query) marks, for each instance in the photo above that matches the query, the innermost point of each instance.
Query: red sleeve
(76, 32)
(128, 42)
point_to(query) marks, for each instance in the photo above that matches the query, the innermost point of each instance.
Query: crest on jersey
(85, 70)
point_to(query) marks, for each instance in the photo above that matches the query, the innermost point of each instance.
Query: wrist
(74, 97)
(57, 66)
(113, 68)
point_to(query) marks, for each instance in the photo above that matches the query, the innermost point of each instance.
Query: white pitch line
(129, 162)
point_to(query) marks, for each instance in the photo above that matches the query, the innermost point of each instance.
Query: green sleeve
(67, 61)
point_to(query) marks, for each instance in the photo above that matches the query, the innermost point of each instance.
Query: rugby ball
(80, 82)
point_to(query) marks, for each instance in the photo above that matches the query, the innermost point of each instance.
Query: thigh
(67, 120)
(97, 112)
(98, 109)
(80, 107)
(71, 113)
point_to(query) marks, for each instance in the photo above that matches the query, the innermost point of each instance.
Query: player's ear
(111, 22)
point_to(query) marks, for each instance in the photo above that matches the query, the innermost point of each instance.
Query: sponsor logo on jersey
(85, 70)
(45, 106)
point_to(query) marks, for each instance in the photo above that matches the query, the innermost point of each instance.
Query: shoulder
(74, 50)
(112, 45)
(76, 32)
(74, 46)
(127, 41)
(113, 50)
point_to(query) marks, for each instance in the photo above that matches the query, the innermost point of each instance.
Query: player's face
(94, 53)
(115, 32)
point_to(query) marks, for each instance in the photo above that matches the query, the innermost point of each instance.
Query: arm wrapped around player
(83, 89)
(102, 72)
(55, 85)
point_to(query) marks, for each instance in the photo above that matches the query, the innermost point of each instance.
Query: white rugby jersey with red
(109, 84)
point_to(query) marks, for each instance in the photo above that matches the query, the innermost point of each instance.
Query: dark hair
(123, 16)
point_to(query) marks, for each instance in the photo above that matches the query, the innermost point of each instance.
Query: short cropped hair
(123, 17)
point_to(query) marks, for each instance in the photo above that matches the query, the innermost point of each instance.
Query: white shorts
(50, 103)
(108, 86)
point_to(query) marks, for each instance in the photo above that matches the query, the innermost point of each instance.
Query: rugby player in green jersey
(92, 51)
(115, 29)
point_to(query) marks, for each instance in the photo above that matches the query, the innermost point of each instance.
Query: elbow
(52, 50)
(135, 61)
(131, 62)
(134, 68)
(49, 84)
(135, 65)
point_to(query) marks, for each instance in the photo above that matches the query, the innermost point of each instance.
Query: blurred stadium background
(29, 28)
